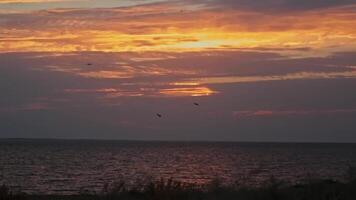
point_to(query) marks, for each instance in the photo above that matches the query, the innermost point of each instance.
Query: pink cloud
(27, 107)
(35, 106)
(272, 113)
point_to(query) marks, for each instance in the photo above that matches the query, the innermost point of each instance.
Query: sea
(73, 166)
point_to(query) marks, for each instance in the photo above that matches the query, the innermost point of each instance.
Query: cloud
(186, 91)
(33, 1)
(14, 6)
(266, 60)
(95, 107)
(250, 79)
(167, 27)
(110, 93)
(283, 113)
(281, 5)
(36, 106)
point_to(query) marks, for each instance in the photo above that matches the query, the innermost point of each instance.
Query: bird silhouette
(159, 115)
(195, 103)
(89, 64)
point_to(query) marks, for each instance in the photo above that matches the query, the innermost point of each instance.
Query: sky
(271, 70)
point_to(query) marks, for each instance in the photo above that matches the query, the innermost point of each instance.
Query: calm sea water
(64, 167)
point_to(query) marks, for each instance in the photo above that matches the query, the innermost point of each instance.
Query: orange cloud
(148, 92)
(168, 27)
(191, 91)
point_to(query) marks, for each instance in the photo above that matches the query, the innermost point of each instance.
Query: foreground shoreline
(320, 189)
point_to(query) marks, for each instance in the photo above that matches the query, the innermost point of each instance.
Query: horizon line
(192, 141)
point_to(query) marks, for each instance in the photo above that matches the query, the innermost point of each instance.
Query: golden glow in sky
(169, 27)
(147, 38)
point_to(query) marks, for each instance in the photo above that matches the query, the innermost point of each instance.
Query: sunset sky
(264, 70)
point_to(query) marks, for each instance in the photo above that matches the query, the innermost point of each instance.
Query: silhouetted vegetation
(311, 189)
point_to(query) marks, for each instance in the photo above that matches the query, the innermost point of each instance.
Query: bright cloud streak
(110, 93)
(252, 79)
(283, 113)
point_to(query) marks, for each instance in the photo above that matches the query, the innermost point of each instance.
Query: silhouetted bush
(7, 194)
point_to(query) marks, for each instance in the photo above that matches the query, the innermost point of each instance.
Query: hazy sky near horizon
(272, 70)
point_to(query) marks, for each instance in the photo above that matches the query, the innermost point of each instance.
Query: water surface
(71, 166)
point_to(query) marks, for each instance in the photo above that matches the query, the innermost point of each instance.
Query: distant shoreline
(169, 141)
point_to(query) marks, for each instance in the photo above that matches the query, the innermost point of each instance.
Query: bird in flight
(89, 64)
(159, 115)
(195, 103)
